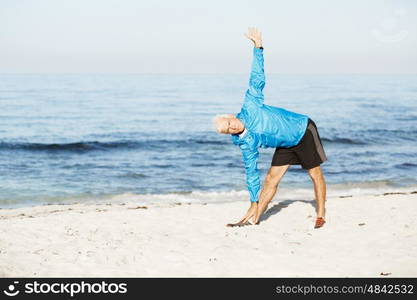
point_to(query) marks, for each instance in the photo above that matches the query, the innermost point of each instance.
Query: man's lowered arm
(250, 158)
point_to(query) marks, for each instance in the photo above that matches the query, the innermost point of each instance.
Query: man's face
(234, 125)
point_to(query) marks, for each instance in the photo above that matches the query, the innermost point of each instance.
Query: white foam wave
(284, 193)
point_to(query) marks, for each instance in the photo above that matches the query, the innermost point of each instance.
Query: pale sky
(185, 36)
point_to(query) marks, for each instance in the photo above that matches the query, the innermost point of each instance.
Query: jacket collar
(239, 139)
(242, 135)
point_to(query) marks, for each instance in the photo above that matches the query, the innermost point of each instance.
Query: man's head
(228, 124)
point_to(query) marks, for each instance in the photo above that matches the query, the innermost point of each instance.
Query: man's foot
(319, 222)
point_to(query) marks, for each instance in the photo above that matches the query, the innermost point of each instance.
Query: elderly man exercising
(294, 136)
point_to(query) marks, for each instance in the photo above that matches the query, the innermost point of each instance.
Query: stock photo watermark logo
(70, 289)
(391, 29)
(12, 290)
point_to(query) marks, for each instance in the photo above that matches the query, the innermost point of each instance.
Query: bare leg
(269, 188)
(317, 177)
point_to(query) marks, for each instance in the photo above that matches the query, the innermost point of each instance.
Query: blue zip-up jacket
(266, 126)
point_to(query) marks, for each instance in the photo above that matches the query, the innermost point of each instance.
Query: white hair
(220, 122)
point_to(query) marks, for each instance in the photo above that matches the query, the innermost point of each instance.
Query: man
(294, 136)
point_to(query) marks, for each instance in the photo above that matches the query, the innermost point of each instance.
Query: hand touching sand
(247, 219)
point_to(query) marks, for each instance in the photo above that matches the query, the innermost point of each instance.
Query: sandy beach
(365, 236)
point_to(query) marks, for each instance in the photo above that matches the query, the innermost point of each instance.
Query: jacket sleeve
(250, 157)
(254, 93)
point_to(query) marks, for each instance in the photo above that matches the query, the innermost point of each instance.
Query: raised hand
(255, 36)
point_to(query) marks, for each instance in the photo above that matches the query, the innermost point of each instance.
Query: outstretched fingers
(254, 35)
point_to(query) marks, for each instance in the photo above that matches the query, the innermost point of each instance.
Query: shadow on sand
(283, 204)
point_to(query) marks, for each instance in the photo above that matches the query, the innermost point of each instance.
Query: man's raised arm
(257, 76)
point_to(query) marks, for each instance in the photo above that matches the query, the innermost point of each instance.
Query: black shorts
(308, 153)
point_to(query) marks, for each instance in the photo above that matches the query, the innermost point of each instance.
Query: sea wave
(406, 166)
(84, 146)
(288, 192)
(361, 137)
(337, 140)
(371, 136)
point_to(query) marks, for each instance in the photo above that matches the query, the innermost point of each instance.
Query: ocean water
(83, 137)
